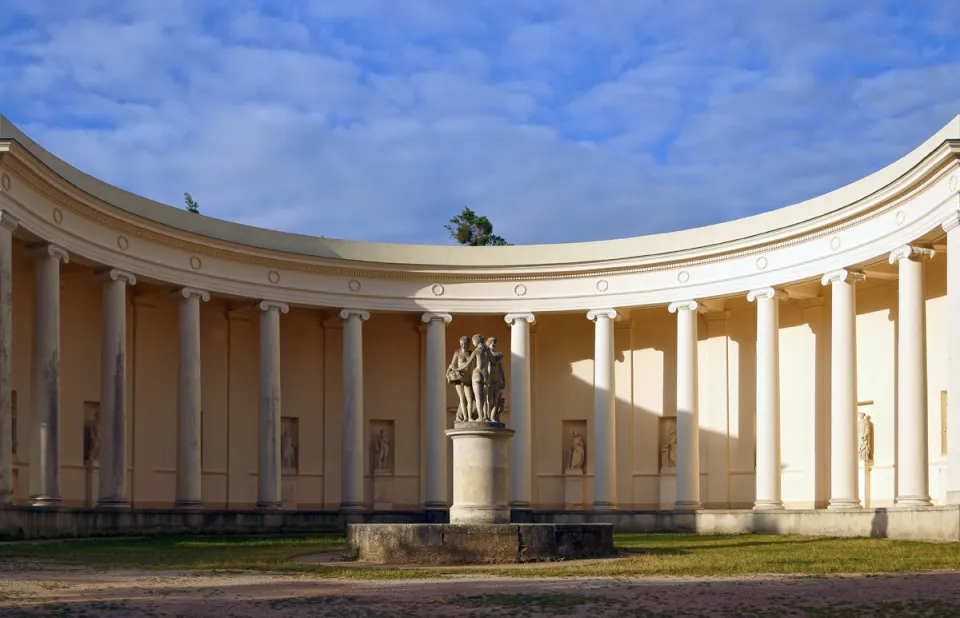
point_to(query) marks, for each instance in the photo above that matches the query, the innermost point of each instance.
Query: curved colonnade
(731, 366)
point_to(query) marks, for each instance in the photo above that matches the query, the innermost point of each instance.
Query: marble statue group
(479, 379)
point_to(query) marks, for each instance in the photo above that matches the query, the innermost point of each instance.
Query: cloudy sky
(562, 120)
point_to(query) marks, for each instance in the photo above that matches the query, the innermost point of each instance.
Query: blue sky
(562, 120)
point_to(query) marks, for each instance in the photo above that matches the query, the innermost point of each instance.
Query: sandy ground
(64, 592)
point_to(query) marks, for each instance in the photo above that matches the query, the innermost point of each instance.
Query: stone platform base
(477, 543)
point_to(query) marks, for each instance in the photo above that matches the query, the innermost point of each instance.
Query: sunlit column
(8, 224)
(436, 417)
(688, 414)
(351, 489)
(189, 390)
(604, 419)
(844, 490)
(521, 466)
(268, 474)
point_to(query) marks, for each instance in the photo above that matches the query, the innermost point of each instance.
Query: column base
(110, 504)
(188, 505)
(352, 507)
(913, 501)
(436, 515)
(844, 504)
(603, 506)
(268, 506)
(687, 505)
(45, 501)
(521, 514)
(768, 505)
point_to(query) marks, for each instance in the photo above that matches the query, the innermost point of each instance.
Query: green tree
(192, 206)
(474, 231)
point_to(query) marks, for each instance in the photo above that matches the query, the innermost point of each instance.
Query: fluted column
(45, 458)
(8, 224)
(351, 486)
(521, 466)
(768, 495)
(912, 460)
(951, 226)
(688, 411)
(844, 490)
(436, 472)
(604, 419)
(268, 474)
(189, 472)
(113, 390)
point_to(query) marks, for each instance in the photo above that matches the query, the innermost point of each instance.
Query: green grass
(649, 555)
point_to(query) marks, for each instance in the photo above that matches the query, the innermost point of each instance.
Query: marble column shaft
(351, 486)
(913, 487)
(113, 390)
(268, 474)
(951, 226)
(520, 453)
(436, 417)
(604, 409)
(688, 412)
(768, 494)
(8, 224)
(45, 456)
(189, 391)
(844, 482)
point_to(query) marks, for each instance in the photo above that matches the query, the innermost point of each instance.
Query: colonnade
(912, 479)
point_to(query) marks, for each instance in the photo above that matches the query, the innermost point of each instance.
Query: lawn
(648, 555)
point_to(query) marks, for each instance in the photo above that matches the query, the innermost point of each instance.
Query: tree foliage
(192, 206)
(472, 230)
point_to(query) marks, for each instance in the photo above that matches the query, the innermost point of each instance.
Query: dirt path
(63, 592)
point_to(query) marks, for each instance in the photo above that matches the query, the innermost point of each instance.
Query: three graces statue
(479, 389)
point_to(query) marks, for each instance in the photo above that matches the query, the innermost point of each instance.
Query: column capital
(9, 221)
(842, 274)
(193, 293)
(272, 305)
(595, 314)
(358, 313)
(952, 221)
(911, 252)
(767, 292)
(426, 318)
(113, 274)
(690, 305)
(529, 318)
(49, 250)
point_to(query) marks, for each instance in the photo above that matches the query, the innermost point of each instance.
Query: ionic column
(952, 227)
(268, 474)
(768, 398)
(45, 459)
(113, 390)
(8, 224)
(844, 490)
(688, 411)
(521, 467)
(351, 486)
(912, 460)
(604, 419)
(436, 472)
(189, 473)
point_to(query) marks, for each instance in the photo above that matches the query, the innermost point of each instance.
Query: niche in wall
(289, 444)
(668, 442)
(91, 431)
(382, 446)
(574, 447)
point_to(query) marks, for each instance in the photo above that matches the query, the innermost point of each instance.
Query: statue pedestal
(864, 478)
(382, 494)
(573, 489)
(480, 455)
(668, 488)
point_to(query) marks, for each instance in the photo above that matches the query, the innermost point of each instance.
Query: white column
(912, 459)
(604, 419)
(113, 390)
(45, 457)
(436, 472)
(351, 486)
(688, 412)
(844, 490)
(768, 398)
(8, 224)
(268, 472)
(189, 473)
(521, 466)
(952, 227)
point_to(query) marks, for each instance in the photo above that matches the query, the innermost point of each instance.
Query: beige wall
(394, 364)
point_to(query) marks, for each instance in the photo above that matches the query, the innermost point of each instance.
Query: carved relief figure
(288, 445)
(497, 381)
(381, 449)
(458, 365)
(91, 437)
(668, 458)
(864, 437)
(577, 448)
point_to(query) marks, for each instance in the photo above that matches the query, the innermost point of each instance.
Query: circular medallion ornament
(5, 182)
(354, 285)
(835, 243)
(57, 216)
(953, 183)
(123, 243)
(602, 285)
(901, 217)
(761, 263)
(273, 276)
(520, 290)
(683, 277)
(437, 289)
(195, 263)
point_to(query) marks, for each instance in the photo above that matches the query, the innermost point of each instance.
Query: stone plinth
(382, 494)
(480, 478)
(573, 489)
(478, 543)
